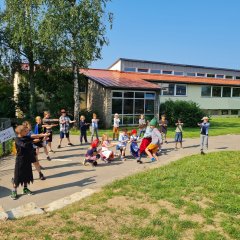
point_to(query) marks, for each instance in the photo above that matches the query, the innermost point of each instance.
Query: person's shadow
(4, 192)
(82, 183)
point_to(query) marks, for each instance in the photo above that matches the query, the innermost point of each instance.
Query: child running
(23, 167)
(92, 154)
(83, 129)
(38, 129)
(64, 122)
(134, 149)
(106, 154)
(116, 122)
(122, 145)
(178, 134)
(155, 144)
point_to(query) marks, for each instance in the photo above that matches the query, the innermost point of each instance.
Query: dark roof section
(133, 80)
(173, 64)
(118, 80)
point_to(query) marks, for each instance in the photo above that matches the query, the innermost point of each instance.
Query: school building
(132, 87)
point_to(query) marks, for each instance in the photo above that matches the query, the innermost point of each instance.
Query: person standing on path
(116, 122)
(48, 129)
(142, 125)
(83, 129)
(163, 123)
(64, 122)
(204, 134)
(94, 126)
(178, 134)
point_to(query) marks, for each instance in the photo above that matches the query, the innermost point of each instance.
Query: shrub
(189, 112)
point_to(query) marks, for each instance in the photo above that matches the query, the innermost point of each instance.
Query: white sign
(7, 134)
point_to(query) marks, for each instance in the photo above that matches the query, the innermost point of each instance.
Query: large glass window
(216, 91)
(229, 77)
(219, 76)
(181, 90)
(226, 92)
(236, 92)
(128, 106)
(237, 77)
(210, 75)
(149, 106)
(139, 106)
(131, 104)
(206, 91)
(116, 106)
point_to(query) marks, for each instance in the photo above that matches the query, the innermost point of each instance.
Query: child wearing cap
(204, 134)
(134, 149)
(155, 144)
(116, 122)
(122, 145)
(92, 154)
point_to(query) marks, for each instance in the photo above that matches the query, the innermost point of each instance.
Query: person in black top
(83, 129)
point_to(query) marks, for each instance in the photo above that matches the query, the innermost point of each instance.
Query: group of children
(146, 141)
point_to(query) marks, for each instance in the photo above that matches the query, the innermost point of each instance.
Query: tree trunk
(76, 94)
(32, 102)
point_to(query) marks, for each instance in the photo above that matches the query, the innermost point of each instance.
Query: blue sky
(200, 32)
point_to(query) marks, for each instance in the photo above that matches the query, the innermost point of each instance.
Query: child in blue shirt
(122, 145)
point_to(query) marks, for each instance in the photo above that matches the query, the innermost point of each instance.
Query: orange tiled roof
(117, 79)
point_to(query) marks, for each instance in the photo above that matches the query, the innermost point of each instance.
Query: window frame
(135, 69)
(175, 90)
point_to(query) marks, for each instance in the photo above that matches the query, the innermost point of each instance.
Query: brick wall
(99, 100)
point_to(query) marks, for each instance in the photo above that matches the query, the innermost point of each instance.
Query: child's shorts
(152, 147)
(62, 134)
(120, 147)
(116, 130)
(178, 137)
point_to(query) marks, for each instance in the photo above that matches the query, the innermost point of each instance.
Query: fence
(5, 147)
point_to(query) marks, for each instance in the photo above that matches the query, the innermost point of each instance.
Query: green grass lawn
(197, 197)
(219, 126)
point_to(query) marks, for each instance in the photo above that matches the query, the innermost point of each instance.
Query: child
(163, 123)
(94, 125)
(152, 148)
(38, 130)
(178, 134)
(48, 129)
(92, 154)
(204, 134)
(64, 122)
(134, 149)
(23, 167)
(142, 125)
(122, 145)
(147, 138)
(36, 139)
(106, 154)
(116, 122)
(83, 129)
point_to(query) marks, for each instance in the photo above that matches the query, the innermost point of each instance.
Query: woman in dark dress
(25, 156)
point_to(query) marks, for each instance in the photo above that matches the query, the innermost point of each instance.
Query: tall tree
(75, 31)
(19, 33)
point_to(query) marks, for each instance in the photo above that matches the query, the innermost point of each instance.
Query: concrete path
(66, 175)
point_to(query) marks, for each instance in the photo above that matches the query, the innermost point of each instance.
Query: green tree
(19, 25)
(75, 31)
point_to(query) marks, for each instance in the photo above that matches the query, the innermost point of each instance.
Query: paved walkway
(66, 175)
